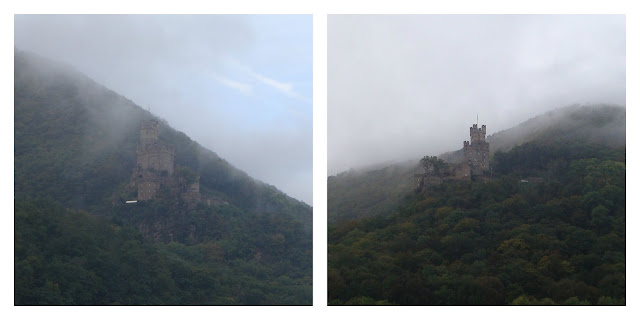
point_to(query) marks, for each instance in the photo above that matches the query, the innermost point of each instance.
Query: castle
(474, 165)
(476, 152)
(151, 153)
(155, 170)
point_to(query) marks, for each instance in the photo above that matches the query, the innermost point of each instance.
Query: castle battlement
(477, 134)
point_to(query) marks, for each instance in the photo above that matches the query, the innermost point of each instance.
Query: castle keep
(152, 154)
(155, 169)
(474, 165)
(476, 152)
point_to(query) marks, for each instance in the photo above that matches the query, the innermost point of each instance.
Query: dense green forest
(64, 257)
(548, 228)
(76, 242)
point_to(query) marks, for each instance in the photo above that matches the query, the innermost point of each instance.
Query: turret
(476, 151)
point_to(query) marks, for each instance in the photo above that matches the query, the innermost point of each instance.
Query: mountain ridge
(603, 124)
(387, 184)
(109, 125)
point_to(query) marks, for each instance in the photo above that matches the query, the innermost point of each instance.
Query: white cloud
(283, 87)
(244, 88)
(286, 88)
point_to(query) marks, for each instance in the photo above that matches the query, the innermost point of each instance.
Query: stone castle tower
(473, 167)
(476, 151)
(152, 154)
(155, 169)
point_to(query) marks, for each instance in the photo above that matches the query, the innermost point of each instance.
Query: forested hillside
(355, 194)
(549, 228)
(75, 150)
(364, 193)
(594, 124)
(75, 141)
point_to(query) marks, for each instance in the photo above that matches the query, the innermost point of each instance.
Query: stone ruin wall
(156, 156)
(193, 193)
(461, 171)
(147, 189)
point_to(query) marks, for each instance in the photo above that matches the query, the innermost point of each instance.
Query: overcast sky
(238, 85)
(401, 87)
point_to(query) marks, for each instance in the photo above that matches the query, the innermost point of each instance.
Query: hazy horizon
(403, 86)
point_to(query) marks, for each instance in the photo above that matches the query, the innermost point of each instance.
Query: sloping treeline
(549, 228)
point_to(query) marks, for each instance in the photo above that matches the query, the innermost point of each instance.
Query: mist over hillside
(74, 129)
(601, 124)
(382, 186)
(77, 242)
(355, 194)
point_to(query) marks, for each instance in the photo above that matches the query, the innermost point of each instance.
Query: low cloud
(180, 67)
(403, 86)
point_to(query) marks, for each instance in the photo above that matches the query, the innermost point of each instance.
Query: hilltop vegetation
(548, 229)
(75, 150)
(603, 125)
(365, 193)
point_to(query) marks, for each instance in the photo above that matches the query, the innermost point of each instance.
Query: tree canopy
(549, 228)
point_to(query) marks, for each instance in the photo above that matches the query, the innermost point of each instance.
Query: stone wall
(147, 188)
(148, 132)
(461, 171)
(156, 156)
(155, 169)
